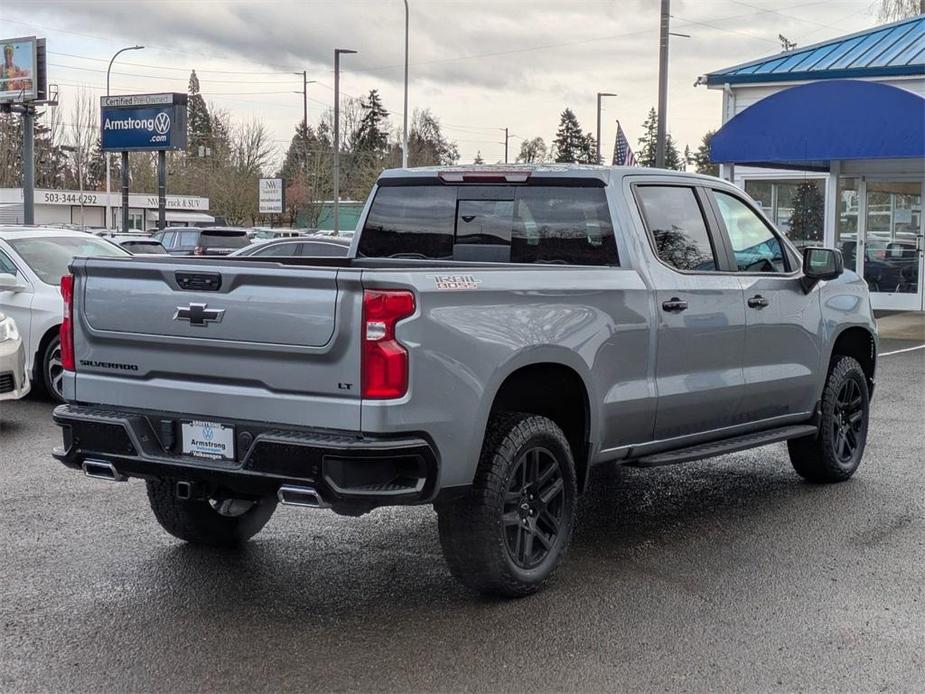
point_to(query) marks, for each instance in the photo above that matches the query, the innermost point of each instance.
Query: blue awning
(813, 124)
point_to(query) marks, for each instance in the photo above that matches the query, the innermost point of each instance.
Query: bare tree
(893, 10)
(82, 134)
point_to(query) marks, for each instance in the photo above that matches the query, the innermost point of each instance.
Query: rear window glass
(519, 224)
(143, 247)
(224, 239)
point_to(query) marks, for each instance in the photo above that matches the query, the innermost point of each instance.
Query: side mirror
(9, 283)
(821, 264)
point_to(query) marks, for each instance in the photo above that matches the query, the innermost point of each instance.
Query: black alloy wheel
(848, 421)
(534, 502)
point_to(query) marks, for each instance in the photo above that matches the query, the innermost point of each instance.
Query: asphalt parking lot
(730, 574)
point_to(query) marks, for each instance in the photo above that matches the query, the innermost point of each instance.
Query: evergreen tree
(372, 133)
(198, 120)
(478, 158)
(570, 144)
(303, 146)
(645, 154)
(701, 158)
(588, 150)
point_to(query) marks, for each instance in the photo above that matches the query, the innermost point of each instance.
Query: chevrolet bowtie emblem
(199, 314)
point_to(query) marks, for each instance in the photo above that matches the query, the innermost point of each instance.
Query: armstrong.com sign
(143, 122)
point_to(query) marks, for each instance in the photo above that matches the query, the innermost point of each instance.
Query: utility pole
(599, 96)
(108, 206)
(28, 164)
(337, 54)
(505, 145)
(404, 128)
(662, 85)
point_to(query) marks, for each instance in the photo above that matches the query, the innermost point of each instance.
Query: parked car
(499, 333)
(14, 379)
(202, 241)
(265, 233)
(32, 261)
(324, 246)
(136, 244)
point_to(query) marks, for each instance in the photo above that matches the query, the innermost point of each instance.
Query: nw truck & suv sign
(143, 122)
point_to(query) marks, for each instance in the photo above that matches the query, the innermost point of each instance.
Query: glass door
(892, 241)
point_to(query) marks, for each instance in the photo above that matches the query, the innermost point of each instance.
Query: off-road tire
(475, 532)
(195, 521)
(821, 458)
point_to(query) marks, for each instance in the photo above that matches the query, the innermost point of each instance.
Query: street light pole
(404, 129)
(337, 54)
(108, 206)
(599, 96)
(662, 85)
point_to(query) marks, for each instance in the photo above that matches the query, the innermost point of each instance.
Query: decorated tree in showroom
(806, 222)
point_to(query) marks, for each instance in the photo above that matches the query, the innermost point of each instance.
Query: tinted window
(187, 240)
(530, 224)
(49, 257)
(324, 250)
(563, 225)
(6, 265)
(675, 221)
(410, 221)
(224, 239)
(755, 246)
(279, 249)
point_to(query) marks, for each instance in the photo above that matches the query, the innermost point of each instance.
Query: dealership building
(88, 209)
(830, 139)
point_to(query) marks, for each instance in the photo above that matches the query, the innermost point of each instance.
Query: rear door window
(677, 227)
(280, 249)
(187, 240)
(563, 224)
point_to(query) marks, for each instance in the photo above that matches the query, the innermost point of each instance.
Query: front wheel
(53, 370)
(511, 530)
(835, 452)
(224, 523)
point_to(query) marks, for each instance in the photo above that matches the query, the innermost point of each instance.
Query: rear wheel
(508, 534)
(835, 452)
(218, 523)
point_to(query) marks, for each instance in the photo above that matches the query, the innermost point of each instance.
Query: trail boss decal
(457, 281)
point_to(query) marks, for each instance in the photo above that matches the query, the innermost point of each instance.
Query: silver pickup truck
(493, 335)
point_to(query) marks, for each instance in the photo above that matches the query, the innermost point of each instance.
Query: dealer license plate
(208, 440)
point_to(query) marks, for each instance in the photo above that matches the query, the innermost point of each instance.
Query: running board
(733, 445)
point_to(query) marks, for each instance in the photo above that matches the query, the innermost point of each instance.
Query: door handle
(674, 305)
(758, 301)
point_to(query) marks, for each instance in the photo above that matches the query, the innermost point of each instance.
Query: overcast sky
(478, 65)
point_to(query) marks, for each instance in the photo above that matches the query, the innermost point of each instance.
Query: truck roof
(604, 173)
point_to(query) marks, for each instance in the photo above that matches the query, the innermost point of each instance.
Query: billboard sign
(272, 195)
(22, 71)
(143, 122)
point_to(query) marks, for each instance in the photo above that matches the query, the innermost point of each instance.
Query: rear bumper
(350, 470)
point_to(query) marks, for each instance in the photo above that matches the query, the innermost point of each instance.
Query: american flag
(622, 154)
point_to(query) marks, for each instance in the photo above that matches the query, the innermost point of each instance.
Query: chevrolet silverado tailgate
(220, 338)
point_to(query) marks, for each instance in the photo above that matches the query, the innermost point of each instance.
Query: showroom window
(797, 207)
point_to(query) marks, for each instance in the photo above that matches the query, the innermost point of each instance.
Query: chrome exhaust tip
(101, 470)
(306, 497)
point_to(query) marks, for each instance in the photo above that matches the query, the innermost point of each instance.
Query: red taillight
(385, 360)
(67, 324)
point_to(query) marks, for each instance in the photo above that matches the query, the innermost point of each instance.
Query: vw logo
(161, 123)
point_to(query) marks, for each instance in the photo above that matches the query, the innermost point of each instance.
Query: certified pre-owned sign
(143, 124)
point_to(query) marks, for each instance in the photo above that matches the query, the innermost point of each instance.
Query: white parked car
(14, 379)
(32, 261)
